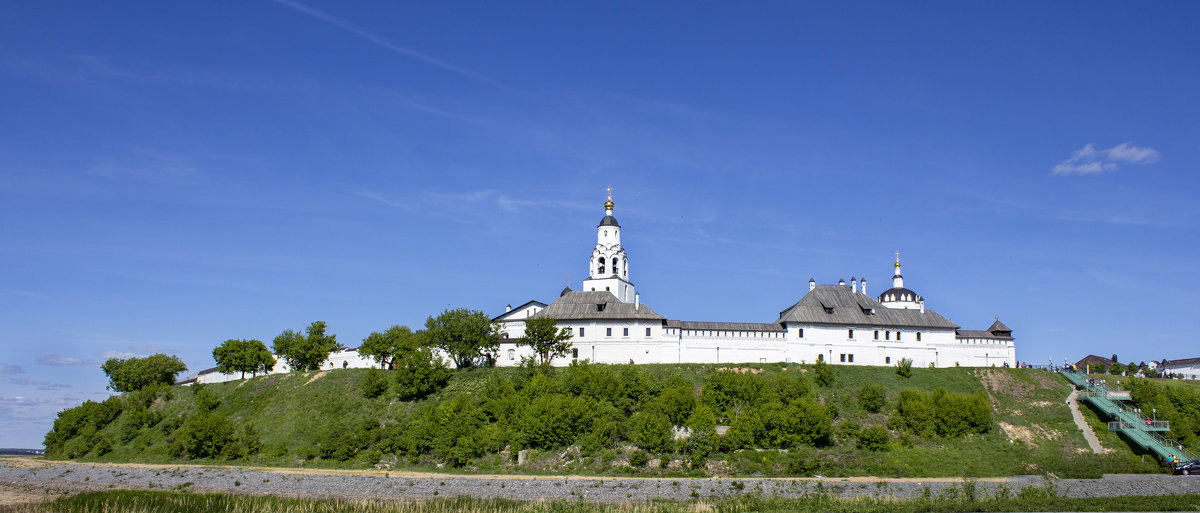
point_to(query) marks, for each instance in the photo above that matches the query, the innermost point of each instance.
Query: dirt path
(1088, 434)
(15, 496)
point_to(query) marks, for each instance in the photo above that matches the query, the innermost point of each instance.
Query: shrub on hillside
(779, 426)
(824, 374)
(639, 458)
(607, 425)
(419, 373)
(904, 368)
(623, 386)
(872, 397)
(676, 403)
(1177, 404)
(791, 386)
(136, 417)
(555, 420)
(728, 393)
(701, 419)
(961, 414)
(874, 438)
(85, 419)
(650, 430)
(943, 413)
(914, 409)
(205, 399)
(374, 384)
(539, 385)
(203, 435)
(447, 430)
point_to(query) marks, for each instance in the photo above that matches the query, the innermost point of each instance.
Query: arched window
(616, 262)
(601, 268)
(512, 354)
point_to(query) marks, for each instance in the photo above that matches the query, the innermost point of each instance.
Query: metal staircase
(1127, 421)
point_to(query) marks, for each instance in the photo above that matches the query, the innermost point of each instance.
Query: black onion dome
(609, 221)
(897, 294)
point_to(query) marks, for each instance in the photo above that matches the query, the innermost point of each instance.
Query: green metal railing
(1138, 428)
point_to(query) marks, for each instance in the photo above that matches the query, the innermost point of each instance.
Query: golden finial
(897, 259)
(608, 205)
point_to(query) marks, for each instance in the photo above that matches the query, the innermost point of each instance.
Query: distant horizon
(176, 175)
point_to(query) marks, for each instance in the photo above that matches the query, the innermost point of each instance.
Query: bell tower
(608, 269)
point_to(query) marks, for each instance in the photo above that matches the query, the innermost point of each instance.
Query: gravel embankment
(36, 476)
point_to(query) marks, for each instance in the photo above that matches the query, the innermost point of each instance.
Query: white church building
(839, 324)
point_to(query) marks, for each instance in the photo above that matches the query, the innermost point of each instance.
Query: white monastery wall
(639, 335)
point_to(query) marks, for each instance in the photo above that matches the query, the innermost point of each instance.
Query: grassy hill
(608, 420)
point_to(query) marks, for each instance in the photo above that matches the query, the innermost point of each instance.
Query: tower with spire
(609, 265)
(898, 296)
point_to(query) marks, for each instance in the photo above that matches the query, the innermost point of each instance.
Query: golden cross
(610, 192)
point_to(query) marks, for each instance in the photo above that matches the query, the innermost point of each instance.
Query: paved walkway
(1093, 442)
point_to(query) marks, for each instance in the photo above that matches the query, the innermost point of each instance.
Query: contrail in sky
(428, 59)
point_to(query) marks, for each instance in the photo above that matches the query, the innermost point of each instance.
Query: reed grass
(963, 499)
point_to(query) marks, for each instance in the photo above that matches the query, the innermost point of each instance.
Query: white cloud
(1088, 160)
(11, 369)
(117, 354)
(1129, 153)
(42, 385)
(53, 359)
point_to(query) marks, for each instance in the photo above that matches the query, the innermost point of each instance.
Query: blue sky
(178, 174)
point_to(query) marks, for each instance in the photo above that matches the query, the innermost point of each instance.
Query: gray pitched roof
(837, 304)
(979, 334)
(581, 305)
(1183, 361)
(999, 326)
(517, 309)
(725, 326)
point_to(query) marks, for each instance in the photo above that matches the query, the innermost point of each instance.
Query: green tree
(874, 438)
(546, 339)
(468, 336)
(130, 374)
(824, 373)
(419, 372)
(872, 397)
(306, 352)
(904, 368)
(383, 347)
(202, 436)
(374, 384)
(243, 356)
(1116, 368)
(651, 430)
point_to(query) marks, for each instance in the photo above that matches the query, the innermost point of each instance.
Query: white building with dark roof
(1185, 368)
(839, 324)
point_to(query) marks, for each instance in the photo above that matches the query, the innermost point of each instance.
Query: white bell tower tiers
(609, 267)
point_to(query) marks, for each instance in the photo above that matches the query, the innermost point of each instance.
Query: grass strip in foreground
(960, 499)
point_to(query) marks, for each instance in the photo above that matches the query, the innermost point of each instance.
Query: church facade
(839, 324)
